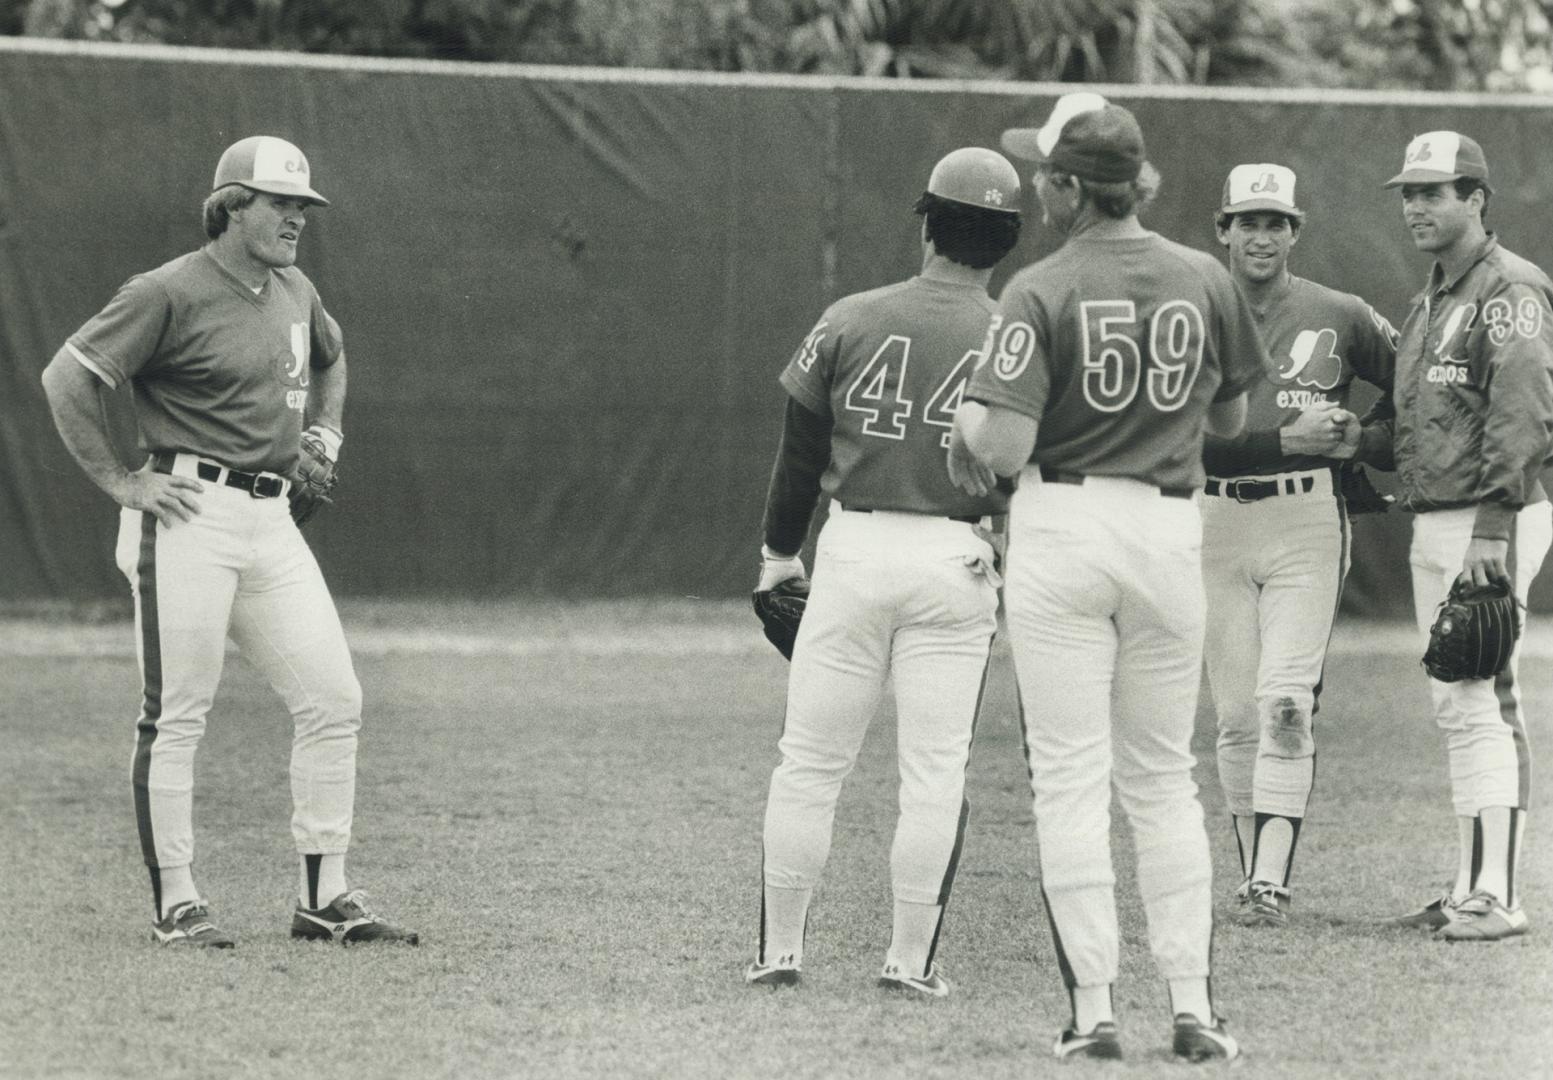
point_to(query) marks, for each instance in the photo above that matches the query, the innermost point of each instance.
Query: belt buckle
(1233, 488)
(267, 486)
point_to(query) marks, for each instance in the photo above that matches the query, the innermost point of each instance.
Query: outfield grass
(575, 831)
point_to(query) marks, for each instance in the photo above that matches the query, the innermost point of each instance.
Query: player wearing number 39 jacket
(1472, 427)
(1107, 362)
(904, 589)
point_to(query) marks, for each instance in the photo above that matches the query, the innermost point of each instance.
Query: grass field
(567, 802)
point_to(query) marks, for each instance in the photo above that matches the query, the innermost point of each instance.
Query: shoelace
(357, 898)
(1479, 903)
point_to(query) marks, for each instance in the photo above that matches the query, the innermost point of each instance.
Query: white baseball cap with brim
(1263, 186)
(1086, 136)
(1438, 157)
(265, 163)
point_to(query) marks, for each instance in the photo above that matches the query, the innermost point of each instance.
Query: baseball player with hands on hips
(905, 587)
(1106, 361)
(228, 350)
(1471, 426)
(1275, 528)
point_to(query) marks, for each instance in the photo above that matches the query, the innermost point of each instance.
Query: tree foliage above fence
(1401, 44)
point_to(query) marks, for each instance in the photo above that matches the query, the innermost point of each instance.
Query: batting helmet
(977, 177)
(265, 163)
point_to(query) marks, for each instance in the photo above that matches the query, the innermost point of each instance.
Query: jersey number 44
(879, 392)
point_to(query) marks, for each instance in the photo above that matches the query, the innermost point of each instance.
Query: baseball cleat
(931, 985)
(189, 924)
(1196, 1041)
(1102, 1043)
(783, 971)
(1481, 917)
(347, 921)
(1433, 915)
(1267, 905)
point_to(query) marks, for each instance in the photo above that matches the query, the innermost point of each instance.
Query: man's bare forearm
(75, 399)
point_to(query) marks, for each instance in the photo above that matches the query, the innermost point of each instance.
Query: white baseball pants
(1272, 571)
(1484, 725)
(240, 567)
(902, 597)
(1105, 613)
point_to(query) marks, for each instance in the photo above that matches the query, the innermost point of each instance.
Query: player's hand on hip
(775, 569)
(1487, 561)
(1316, 430)
(965, 471)
(170, 498)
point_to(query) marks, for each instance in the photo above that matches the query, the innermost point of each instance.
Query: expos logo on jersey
(1312, 364)
(292, 366)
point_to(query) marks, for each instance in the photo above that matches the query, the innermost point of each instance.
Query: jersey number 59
(1114, 366)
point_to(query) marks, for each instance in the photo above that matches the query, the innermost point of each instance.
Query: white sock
(912, 938)
(1191, 996)
(177, 887)
(783, 915)
(1274, 849)
(1464, 838)
(1091, 1006)
(1494, 869)
(323, 879)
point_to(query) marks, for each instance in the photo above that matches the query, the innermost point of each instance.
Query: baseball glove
(1474, 632)
(313, 481)
(1359, 493)
(780, 610)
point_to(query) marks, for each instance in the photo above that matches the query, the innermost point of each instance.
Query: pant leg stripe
(1510, 705)
(151, 678)
(947, 885)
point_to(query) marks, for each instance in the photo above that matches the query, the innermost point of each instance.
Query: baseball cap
(1439, 156)
(1260, 187)
(977, 177)
(265, 163)
(1086, 136)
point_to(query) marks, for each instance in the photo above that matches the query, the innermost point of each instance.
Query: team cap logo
(977, 177)
(265, 163)
(1437, 157)
(1260, 187)
(1085, 136)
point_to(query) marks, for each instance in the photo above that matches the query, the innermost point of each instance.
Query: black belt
(259, 485)
(1250, 491)
(1062, 476)
(973, 519)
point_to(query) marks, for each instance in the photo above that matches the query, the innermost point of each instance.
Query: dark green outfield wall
(567, 293)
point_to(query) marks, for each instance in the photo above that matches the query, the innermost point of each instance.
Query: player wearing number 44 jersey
(904, 587)
(1107, 360)
(1275, 528)
(229, 350)
(1473, 425)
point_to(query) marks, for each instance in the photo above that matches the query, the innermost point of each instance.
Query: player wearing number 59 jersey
(904, 587)
(1108, 359)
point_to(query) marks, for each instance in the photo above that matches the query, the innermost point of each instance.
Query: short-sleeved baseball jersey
(1117, 346)
(1318, 340)
(889, 367)
(217, 369)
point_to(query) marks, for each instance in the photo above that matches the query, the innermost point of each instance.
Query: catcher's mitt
(1358, 493)
(780, 610)
(1474, 633)
(314, 479)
